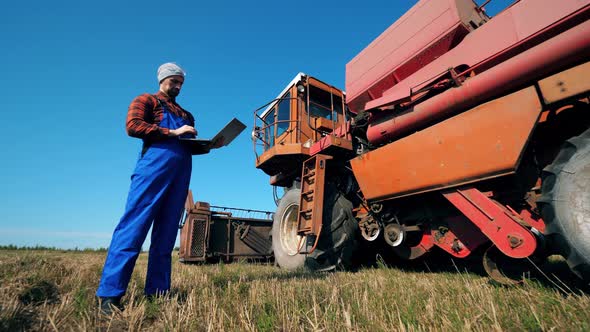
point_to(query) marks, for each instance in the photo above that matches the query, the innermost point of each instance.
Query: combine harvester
(457, 131)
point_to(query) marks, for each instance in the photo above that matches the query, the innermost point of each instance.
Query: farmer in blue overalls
(159, 186)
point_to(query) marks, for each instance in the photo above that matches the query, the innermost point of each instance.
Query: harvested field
(53, 290)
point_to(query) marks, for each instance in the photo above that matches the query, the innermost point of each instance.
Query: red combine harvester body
(457, 131)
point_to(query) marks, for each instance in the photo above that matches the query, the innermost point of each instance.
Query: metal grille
(198, 238)
(253, 239)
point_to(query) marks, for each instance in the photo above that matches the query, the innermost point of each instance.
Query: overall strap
(159, 103)
(146, 145)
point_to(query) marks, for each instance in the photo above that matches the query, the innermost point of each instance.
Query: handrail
(266, 131)
(261, 131)
(241, 213)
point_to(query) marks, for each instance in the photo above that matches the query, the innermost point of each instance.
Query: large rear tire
(337, 239)
(565, 203)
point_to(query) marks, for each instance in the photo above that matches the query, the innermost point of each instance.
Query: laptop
(223, 138)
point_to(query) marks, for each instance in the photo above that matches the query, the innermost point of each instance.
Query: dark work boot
(108, 305)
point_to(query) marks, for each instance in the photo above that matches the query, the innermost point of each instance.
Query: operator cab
(285, 128)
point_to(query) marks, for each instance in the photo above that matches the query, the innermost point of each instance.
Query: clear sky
(71, 68)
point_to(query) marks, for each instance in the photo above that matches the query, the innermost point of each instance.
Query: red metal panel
(568, 48)
(484, 142)
(509, 237)
(410, 253)
(566, 84)
(533, 221)
(311, 201)
(514, 25)
(330, 142)
(429, 28)
(459, 238)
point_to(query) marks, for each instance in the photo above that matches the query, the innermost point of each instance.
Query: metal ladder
(311, 201)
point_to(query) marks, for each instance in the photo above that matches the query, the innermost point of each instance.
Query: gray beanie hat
(169, 69)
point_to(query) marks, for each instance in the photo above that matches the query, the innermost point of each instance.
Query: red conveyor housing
(391, 67)
(428, 30)
(563, 51)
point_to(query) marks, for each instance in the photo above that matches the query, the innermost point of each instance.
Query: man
(159, 186)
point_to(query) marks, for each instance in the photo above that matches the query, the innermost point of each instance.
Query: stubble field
(51, 290)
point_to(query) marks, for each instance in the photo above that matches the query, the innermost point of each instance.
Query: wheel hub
(289, 239)
(394, 235)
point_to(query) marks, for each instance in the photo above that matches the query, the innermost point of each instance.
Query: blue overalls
(159, 186)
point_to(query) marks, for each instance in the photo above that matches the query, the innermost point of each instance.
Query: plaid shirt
(145, 114)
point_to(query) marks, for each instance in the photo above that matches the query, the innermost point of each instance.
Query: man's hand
(186, 129)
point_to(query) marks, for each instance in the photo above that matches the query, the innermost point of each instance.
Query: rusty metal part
(242, 214)
(254, 238)
(281, 157)
(336, 143)
(376, 207)
(332, 145)
(312, 198)
(284, 178)
(194, 234)
(496, 222)
(214, 232)
(505, 270)
(369, 227)
(566, 84)
(413, 252)
(459, 237)
(394, 234)
(528, 218)
(484, 142)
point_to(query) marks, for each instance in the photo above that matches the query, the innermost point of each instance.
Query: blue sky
(71, 68)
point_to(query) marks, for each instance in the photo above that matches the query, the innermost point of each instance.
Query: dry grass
(54, 291)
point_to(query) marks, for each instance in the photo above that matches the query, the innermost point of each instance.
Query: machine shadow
(554, 273)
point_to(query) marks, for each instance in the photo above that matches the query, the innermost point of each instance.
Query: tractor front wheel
(337, 239)
(285, 240)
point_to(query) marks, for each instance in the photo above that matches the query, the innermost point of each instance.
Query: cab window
(278, 117)
(269, 132)
(320, 103)
(284, 114)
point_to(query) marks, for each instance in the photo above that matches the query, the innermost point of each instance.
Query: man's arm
(140, 118)
(140, 121)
